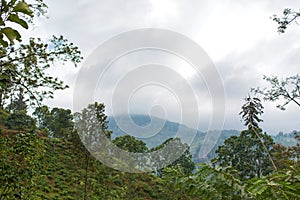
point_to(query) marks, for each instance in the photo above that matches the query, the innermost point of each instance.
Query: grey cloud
(88, 23)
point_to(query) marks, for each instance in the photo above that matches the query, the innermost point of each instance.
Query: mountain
(168, 129)
(165, 129)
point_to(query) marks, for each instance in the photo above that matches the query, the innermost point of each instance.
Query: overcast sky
(238, 36)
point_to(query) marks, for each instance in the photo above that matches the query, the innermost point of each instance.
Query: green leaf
(3, 42)
(4, 6)
(15, 18)
(1, 22)
(11, 34)
(24, 8)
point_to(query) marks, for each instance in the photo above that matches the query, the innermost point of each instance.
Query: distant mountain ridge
(169, 130)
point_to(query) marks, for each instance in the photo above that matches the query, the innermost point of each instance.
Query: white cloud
(239, 36)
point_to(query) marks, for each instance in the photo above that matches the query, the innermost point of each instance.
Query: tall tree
(20, 121)
(251, 111)
(249, 153)
(19, 103)
(250, 114)
(91, 125)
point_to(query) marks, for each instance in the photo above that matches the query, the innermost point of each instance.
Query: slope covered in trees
(44, 158)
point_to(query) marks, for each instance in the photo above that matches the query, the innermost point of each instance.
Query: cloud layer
(239, 36)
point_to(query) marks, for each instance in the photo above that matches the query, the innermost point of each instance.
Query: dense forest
(42, 155)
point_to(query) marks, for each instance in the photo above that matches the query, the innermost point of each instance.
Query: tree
(43, 116)
(102, 118)
(184, 161)
(91, 125)
(287, 89)
(249, 153)
(250, 112)
(207, 183)
(281, 156)
(25, 66)
(20, 121)
(19, 103)
(282, 185)
(17, 12)
(130, 144)
(289, 16)
(246, 154)
(58, 121)
(61, 122)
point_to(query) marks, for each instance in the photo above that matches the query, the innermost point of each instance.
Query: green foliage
(206, 183)
(17, 12)
(282, 185)
(56, 171)
(184, 161)
(58, 121)
(18, 104)
(250, 112)
(286, 156)
(282, 156)
(21, 122)
(246, 154)
(286, 90)
(43, 116)
(20, 164)
(25, 67)
(90, 121)
(61, 123)
(130, 144)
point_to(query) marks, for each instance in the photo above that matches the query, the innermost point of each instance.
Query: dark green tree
(20, 121)
(249, 153)
(61, 122)
(250, 114)
(43, 116)
(184, 161)
(58, 121)
(102, 118)
(130, 144)
(19, 103)
(246, 154)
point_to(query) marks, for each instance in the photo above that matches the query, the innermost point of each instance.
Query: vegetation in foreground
(43, 158)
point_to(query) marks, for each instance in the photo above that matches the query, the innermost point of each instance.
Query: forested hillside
(50, 152)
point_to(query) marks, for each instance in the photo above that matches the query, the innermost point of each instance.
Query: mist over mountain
(168, 129)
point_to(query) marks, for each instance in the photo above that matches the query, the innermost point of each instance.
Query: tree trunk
(86, 174)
